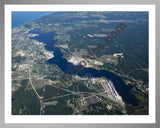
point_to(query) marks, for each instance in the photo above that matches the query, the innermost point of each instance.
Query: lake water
(65, 66)
(20, 17)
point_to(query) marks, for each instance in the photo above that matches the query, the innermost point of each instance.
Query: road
(30, 80)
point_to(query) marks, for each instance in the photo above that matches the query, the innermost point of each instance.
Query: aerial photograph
(80, 63)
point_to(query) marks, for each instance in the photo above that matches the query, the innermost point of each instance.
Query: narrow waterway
(65, 66)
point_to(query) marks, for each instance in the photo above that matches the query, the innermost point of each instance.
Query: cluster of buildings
(23, 66)
(49, 55)
(21, 53)
(110, 90)
(91, 100)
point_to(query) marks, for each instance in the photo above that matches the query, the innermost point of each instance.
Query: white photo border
(9, 118)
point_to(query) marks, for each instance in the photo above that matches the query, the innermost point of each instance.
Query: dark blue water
(20, 17)
(65, 66)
